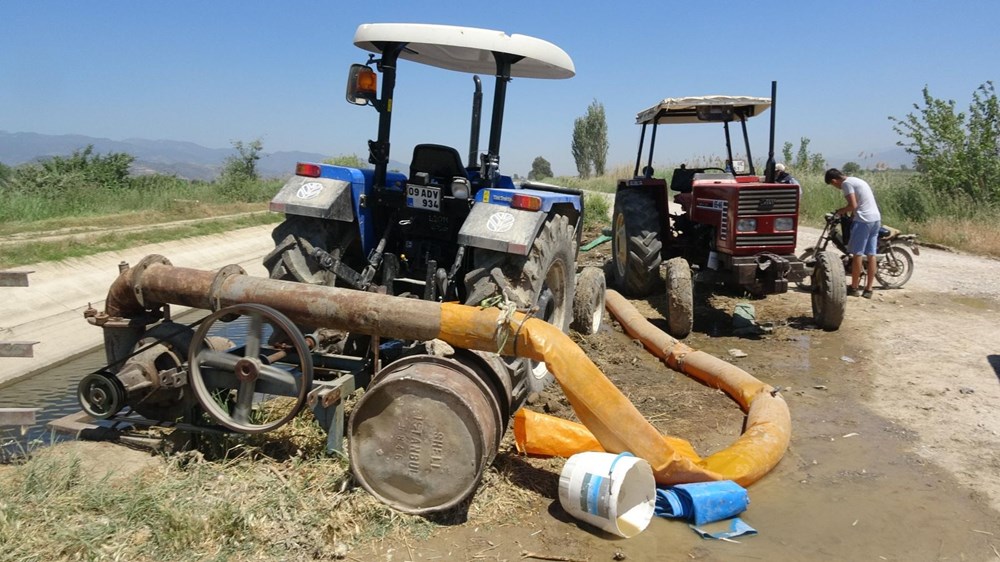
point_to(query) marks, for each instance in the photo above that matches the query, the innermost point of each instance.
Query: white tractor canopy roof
(699, 109)
(467, 49)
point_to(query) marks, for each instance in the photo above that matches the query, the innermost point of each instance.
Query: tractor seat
(681, 179)
(440, 163)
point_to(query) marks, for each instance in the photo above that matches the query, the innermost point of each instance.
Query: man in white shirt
(865, 225)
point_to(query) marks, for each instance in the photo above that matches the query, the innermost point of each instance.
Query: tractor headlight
(746, 225)
(460, 188)
(784, 223)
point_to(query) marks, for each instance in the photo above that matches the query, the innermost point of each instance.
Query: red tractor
(723, 225)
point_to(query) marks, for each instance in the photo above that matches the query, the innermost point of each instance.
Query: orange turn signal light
(368, 82)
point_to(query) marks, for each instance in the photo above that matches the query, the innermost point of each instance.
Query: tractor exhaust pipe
(477, 117)
(769, 167)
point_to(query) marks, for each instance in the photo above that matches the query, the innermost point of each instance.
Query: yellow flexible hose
(612, 419)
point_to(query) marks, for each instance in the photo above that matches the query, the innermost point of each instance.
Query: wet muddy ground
(866, 476)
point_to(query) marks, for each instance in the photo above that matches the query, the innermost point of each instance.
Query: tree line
(956, 153)
(84, 170)
(956, 156)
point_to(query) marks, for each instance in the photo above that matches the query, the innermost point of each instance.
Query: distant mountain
(891, 157)
(183, 159)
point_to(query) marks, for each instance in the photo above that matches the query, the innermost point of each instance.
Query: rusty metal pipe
(155, 282)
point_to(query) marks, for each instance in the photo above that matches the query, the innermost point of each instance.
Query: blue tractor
(444, 229)
(432, 416)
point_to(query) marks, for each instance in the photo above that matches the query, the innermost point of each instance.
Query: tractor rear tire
(829, 291)
(297, 237)
(543, 278)
(636, 243)
(680, 298)
(291, 260)
(588, 303)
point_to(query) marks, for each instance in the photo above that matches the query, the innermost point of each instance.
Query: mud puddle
(850, 486)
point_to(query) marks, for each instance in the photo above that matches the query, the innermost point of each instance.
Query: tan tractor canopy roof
(699, 109)
(467, 49)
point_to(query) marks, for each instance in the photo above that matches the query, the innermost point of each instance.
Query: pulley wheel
(244, 390)
(101, 395)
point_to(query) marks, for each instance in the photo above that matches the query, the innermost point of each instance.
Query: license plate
(424, 198)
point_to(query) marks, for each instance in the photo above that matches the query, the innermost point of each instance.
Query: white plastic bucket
(616, 493)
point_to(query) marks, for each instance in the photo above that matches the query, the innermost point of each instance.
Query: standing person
(864, 226)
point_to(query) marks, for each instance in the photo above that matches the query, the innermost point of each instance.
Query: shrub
(595, 209)
(956, 153)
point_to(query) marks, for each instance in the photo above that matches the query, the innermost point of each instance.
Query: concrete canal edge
(49, 310)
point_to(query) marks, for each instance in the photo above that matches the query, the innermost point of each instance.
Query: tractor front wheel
(680, 298)
(544, 278)
(829, 291)
(588, 304)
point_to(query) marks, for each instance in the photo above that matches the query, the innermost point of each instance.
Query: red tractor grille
(768, 201)
(747, 240)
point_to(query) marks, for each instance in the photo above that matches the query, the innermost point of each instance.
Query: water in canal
(54, 390)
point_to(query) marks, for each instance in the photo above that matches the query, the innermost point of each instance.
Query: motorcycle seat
(887, 232)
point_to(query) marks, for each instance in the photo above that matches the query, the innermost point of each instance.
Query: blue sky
(212, 72)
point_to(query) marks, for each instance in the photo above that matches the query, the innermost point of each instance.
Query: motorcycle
(894, 253)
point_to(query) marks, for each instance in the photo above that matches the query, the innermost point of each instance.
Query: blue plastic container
(702, 502)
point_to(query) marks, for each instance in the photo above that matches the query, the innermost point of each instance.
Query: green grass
(76, 219)
(953, 222)
(154, 200)
(595, 210)
(149, 194)
(78, 244)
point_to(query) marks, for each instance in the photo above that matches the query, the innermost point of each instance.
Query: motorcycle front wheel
(895, 269)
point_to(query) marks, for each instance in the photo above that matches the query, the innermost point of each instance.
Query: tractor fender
(495, 224)
(501, 228)
(337, 194)
(322, 198)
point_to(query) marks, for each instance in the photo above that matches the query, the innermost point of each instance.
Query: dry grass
(81, 241)
(980, 236)
(272, 496)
